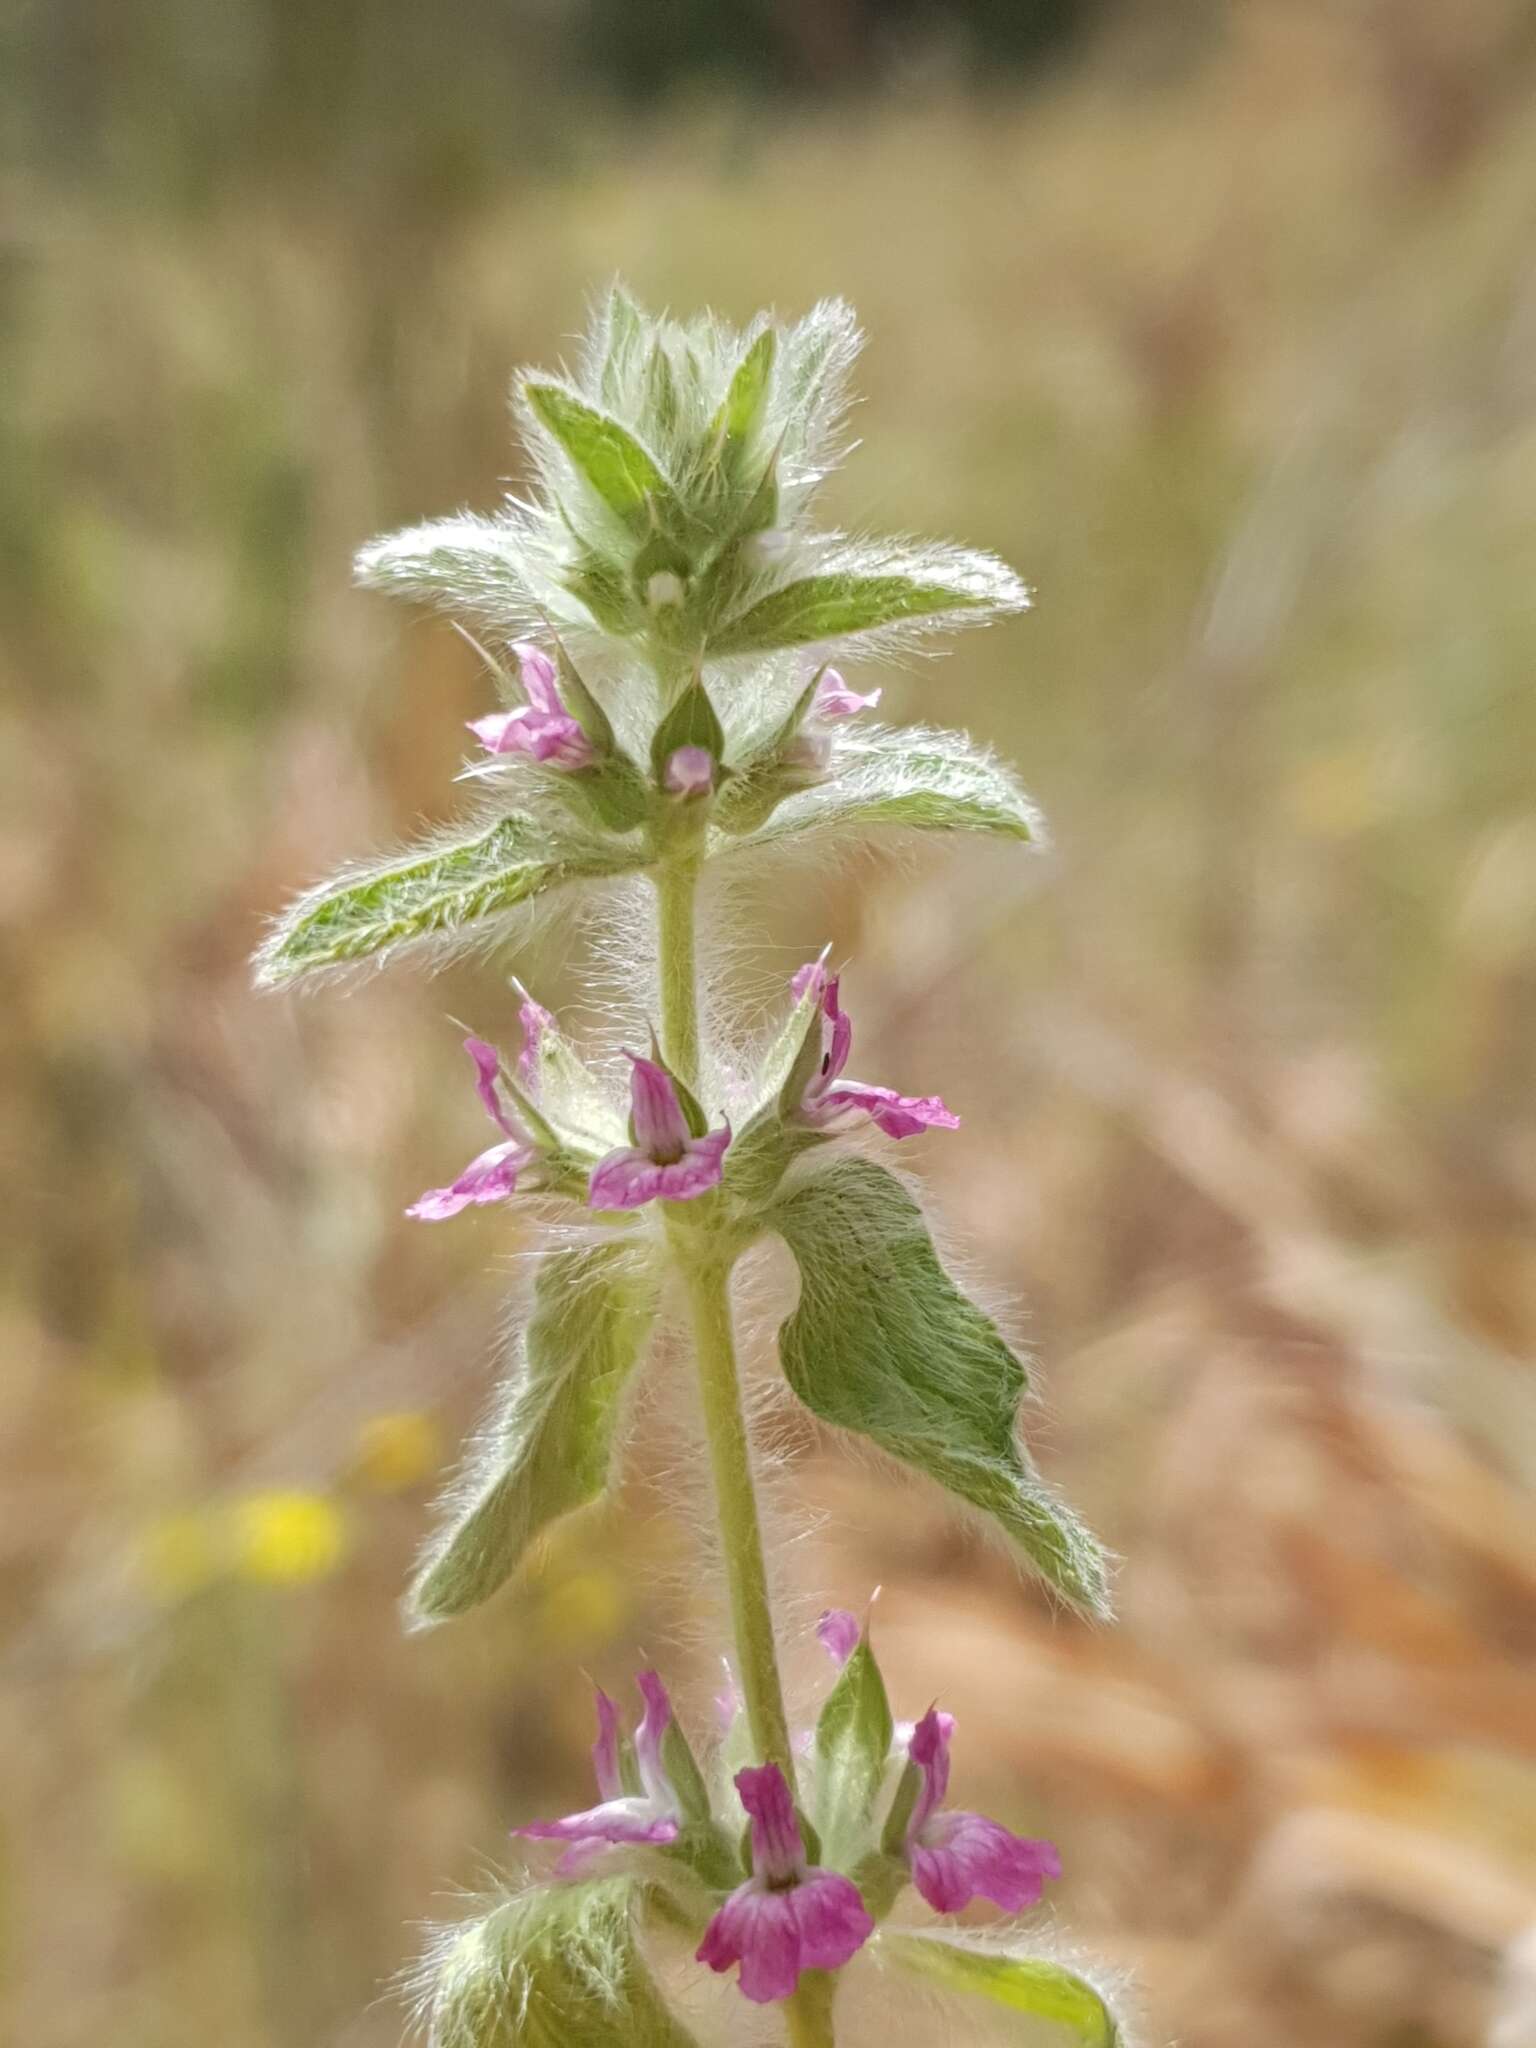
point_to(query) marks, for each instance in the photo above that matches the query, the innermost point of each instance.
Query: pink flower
(535, 1020)
(648, 1816)
(665, 1160)
(690, 771)
(811, 748)
(957, 1857)
(830, 1103)
(838, 1632)
(834, 699)
(788, 1916)
(542, 728)
(493, 1175)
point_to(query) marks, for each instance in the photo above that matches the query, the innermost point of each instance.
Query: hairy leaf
(863, 591)
(885, 1344)
(440, 889)
(471, 566)
(623, 474)
(1022, 1984)
(551, 1447)
(623, 331)
(853, 1746)
(917, 778)
(556, 1967)
(742, 410)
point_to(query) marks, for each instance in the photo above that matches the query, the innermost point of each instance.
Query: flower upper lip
(665, 1161)
(831, 1103)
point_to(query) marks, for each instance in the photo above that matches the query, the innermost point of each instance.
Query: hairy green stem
(708, 1277)
(677, 886)
(808, 2014)
(741, 1536)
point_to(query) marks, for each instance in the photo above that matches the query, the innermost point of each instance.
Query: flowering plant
(661, 617)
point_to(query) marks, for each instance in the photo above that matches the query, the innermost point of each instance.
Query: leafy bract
(602, 451)
(741, 413)
(691, 722)
(883, 1343)
(1023, 1984)
(447, 887)
(556, 1967)
(916, 778)
(618, 337)
(856, 592)
(550, 1448)
(474, 567)
(853, 1746)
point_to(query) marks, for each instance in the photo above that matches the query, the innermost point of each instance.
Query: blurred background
(1219, 320)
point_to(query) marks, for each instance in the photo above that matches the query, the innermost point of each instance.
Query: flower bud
(690, 771)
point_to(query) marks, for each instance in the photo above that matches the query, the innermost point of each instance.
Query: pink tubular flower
(665, 1160)
(811, 748)
(647, 1818)
(542, 728)
(789, 1916)
(690, 771)
(535, 1020)
(493, 1175)
(830, 1103)
(957, 1857)
(834, 699)
(838, 1632)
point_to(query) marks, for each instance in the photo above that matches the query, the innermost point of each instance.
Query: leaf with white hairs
(448, 888)
(917, 778)
(550, 1450)
(552, 1967)
(883, 1343)
(1028, 1985)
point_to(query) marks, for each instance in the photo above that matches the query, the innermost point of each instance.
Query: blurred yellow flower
(178, 1556)
(288, 1539)
(397, 1451)
(583, 1610)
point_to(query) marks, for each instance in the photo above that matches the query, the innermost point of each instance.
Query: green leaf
(883, 1343)
(565, 1088)
(556, 1967)
(741, 412)
(551, 1447)
(470, 566)
(626, 329)
(769, 1142)
(580, 702)
(605, 592)
(691, 722)
(915, 778)
(853, 1746)
(870, 591)
(438, 890)
(661, 401)
(683, 1774)
(622, 473)
(1022, 1984)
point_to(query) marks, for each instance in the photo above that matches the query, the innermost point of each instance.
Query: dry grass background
(1232, 348)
